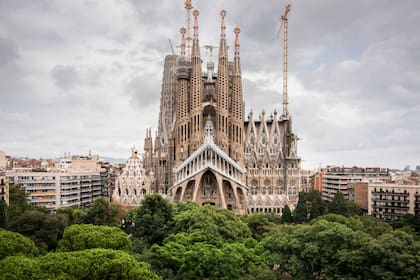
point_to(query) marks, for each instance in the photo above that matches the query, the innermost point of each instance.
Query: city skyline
(87, 75)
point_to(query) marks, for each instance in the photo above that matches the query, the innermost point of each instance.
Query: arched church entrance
(229, 195)
(208, 191)
(189, 190)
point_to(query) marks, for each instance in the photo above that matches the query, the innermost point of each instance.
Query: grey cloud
(356, 64)
(144, 90)
(8, 52)
(65, 77)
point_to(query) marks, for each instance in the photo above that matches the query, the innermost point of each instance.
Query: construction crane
(284, 27)
(172, 47)
(285, 149)
(210, 49)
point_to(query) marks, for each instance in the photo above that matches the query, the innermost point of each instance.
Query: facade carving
(204, 149)
(133, 183)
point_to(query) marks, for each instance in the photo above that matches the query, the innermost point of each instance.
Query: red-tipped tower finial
(223, 26)
(195, 14)
(183, 31)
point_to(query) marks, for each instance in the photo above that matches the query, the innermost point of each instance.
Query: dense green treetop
(215, 222)
(310, 205)
(102, 212)
(333, 246)
(258, 224)
(17, 201)
(4, 214)
(410, 223)
(341, 206)
(87, 264)
(153, 221)
(193, 256)
(81, 237)
(286, 216)
(43, 228)
(12, 244)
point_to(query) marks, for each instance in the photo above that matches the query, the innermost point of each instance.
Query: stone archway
(177, 197)
(189, 190)
(242, 199)
(229, 195)
(208, 190)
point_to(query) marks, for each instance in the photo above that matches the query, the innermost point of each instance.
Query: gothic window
(254, 183)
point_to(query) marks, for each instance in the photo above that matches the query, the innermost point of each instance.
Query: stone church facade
(205, 150)
(133, 183)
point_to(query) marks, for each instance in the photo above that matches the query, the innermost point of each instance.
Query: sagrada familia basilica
(205, 150)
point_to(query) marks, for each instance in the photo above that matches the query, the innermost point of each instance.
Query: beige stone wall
(2, 160)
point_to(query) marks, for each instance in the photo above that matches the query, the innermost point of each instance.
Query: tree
(4, 214)
(301, 213)
(286, 216)
(43, 228)
(183, 206)
(216, 224)
(13, 244)
(374, 227)
(339, 205)
(394, 255)
(127, 224)
(190, 256)
(258, 224)
(309, 206)
(317, 206)
(81, 237)
(17, 201)
(102, 212)
(352, 222)
(410, 221)
(85, 264)
(318, 250)
(153, 221)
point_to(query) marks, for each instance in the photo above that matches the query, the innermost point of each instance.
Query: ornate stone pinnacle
(237, 31)
(223, 26)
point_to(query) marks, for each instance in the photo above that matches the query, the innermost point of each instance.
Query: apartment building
(58, 188)
(337, 179)
(390, 201)
(4, 187)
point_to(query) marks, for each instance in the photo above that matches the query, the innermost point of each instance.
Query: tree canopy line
(160, 240)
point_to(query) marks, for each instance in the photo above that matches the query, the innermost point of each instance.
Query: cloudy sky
(86, 75)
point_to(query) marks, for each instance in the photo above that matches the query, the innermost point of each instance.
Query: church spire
(222, 88)
(195, 48)
(223, 26)
(196, 89)
(223, 47)
(237, 124)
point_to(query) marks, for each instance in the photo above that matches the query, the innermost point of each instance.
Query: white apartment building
(336, 179)
(55, 189)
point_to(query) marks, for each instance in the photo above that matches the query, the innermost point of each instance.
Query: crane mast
(285, 148)
(284, 27)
